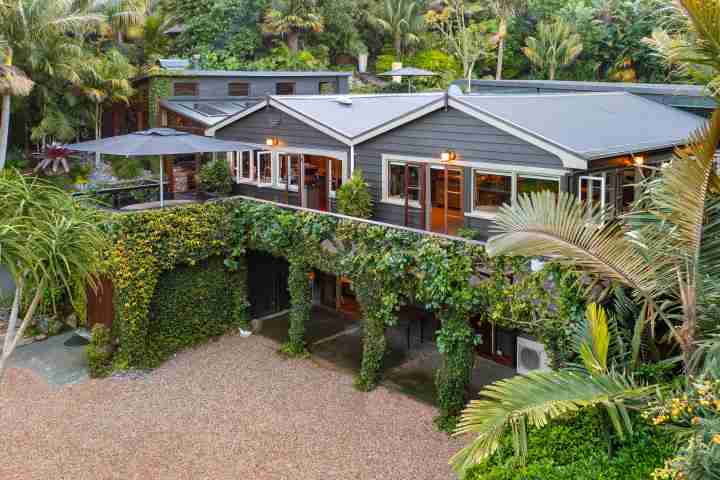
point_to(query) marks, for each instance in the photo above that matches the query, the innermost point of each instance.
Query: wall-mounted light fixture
(272, 142)
(639, 160)
(448, 156)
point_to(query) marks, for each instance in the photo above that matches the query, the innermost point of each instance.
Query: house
(176, 94)
(445, 161)
(691, 98)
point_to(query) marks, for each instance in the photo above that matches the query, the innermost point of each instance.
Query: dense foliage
(577, 448)
(190, 305)
(100, 351)
(215, 177)
(353, 197)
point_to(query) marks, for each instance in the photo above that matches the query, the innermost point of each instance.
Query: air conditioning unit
(531, 356)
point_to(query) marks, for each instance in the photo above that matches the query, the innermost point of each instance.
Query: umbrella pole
(162, 183)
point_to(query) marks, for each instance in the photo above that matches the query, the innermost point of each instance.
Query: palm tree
(603, 380)
(48, 240)
(555, 47)
(13, 82)
(292, 17)
(117, 15)
(504, 10)
(403, 20)
(45, 37)
(107, 79)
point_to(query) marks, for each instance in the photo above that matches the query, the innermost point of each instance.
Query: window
(491, 191)
(327, 88)
(592, 192)
(289, 162)
(234, 166)
(239, 89)
(246, 170)
(285, 88)
(263, 168)
(185, 89)
(396, 182)
(336, 174)
(528, 185)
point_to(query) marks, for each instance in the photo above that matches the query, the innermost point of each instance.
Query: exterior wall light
(271, 142)
(448, 156)
(639, 160)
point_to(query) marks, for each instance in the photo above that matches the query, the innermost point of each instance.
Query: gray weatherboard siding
(428, 137)
(214, 87)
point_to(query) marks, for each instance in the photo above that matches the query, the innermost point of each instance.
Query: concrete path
(56, 363)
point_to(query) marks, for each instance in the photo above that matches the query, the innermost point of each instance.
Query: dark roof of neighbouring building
(573, 86)
(590, 125)
(208, 111)
(189, 73)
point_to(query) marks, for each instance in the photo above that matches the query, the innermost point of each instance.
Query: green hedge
(577, 449)
(191, 305)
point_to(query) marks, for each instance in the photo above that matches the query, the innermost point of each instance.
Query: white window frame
(474, 212)
(256, 167)
(232, 160)
(386, 184)
(236, 158)
(344, 178)
(514, 175)
(278, 167)
(603, 188)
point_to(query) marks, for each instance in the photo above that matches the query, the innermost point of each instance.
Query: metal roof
(208, 111)
(589, 125)
(573, 86)
(173, 63)
(352, 116)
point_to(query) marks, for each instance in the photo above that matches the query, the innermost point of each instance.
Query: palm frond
(560, 226)
(536, 399)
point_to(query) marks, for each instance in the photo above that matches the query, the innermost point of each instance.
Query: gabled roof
(208, 111)
(575, 86)
(586, 125)
(183, 72)
(352, 119)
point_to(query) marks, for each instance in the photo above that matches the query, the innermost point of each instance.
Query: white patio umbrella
(157, 141)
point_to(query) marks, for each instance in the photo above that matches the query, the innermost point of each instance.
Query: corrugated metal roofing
(591, 125)
(408, 72)
(354, 115)
(574, 86)
(208, 112)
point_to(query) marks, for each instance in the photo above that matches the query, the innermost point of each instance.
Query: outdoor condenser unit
(531, 356)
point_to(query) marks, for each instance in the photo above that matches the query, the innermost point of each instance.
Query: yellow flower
(659, 419)
(696, 420)
(716, 439)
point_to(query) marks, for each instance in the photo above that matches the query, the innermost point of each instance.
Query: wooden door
(100, 308)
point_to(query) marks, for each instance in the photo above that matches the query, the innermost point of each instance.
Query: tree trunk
(293, 40)
(502, 33)
(4, 129)
(98, 133)
(397, 45)
(12, 337)
(552, 73)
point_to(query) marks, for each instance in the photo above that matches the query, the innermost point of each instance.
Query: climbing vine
(160, 89)
(388, 267)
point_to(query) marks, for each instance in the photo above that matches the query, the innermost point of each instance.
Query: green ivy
(99, 351)
(189, 307)
(389, 267)
(160, 89)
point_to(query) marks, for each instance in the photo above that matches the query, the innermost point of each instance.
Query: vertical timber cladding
(267, 284)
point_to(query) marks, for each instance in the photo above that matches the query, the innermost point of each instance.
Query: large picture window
(528, 185)
(397, 185)
(289, 163)
(491, 191)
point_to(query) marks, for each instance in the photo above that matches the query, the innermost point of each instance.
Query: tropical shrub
(100, 351)
(215, 177)
(695, 413)
(576, 448)
(353, 197)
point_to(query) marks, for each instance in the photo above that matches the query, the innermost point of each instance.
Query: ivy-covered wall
(160, 89)
(191, 305)
(389, 267)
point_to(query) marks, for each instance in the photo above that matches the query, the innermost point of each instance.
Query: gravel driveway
(232, 409)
